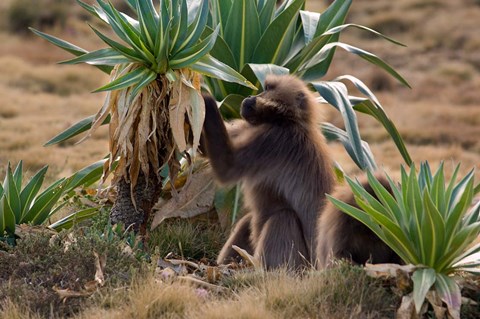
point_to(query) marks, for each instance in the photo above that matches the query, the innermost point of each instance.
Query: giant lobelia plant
(153, 102)
(253, 38)
(257, 37)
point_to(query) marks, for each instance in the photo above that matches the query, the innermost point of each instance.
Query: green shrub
(39, 262)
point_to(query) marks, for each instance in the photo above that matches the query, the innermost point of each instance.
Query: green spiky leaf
(140, 75)
(67, 222)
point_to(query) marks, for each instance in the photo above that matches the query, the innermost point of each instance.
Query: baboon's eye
(269, 86)
(300, 96)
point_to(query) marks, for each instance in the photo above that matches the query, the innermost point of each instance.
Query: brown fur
(279, 155)
(343, 237)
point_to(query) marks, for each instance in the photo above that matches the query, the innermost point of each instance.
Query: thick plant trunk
(146, 194)
(145, 146)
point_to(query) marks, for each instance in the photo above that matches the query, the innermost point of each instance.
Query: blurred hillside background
(439, 118)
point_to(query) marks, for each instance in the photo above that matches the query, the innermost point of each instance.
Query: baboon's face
(283, 100)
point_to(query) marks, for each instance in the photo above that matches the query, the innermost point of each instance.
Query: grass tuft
(39, 262)
(189, 239)
(11, 310)
(341, 292)
(150, 300)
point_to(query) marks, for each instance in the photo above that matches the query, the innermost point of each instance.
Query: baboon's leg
(240, 237)
(281, 242)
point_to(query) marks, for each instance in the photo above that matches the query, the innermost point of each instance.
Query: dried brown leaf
(90, 286)
(196, 114)
(403, 282)
(212, 274)
(153, 150)
(176, 262)
(195, 198)
(144, 131)
(437, 305)
(69, 293)
(177, 109)
(385, 271)
(133, 164)
(247, 257)
(100, 263)
(201, 283)
(407, 308)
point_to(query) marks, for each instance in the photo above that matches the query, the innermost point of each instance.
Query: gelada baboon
(343, 237)
(279, 154)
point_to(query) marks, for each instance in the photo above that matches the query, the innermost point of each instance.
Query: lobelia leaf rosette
(429, 222)
(153, 98)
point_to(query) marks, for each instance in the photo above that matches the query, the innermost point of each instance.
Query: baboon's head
(285, 99)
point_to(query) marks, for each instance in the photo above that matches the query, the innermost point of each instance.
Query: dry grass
(148, 299)
(133, 290)
(40, 101)
(11, 310)
(39, 263)
(343, 292)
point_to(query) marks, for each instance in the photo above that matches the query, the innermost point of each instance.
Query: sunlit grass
(36, 103)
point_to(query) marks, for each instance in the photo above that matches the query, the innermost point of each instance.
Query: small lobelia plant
(20, 205)
(29, 204)
(428, 223)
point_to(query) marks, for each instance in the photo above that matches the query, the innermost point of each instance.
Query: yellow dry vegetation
(39, 101)
(261, 295)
